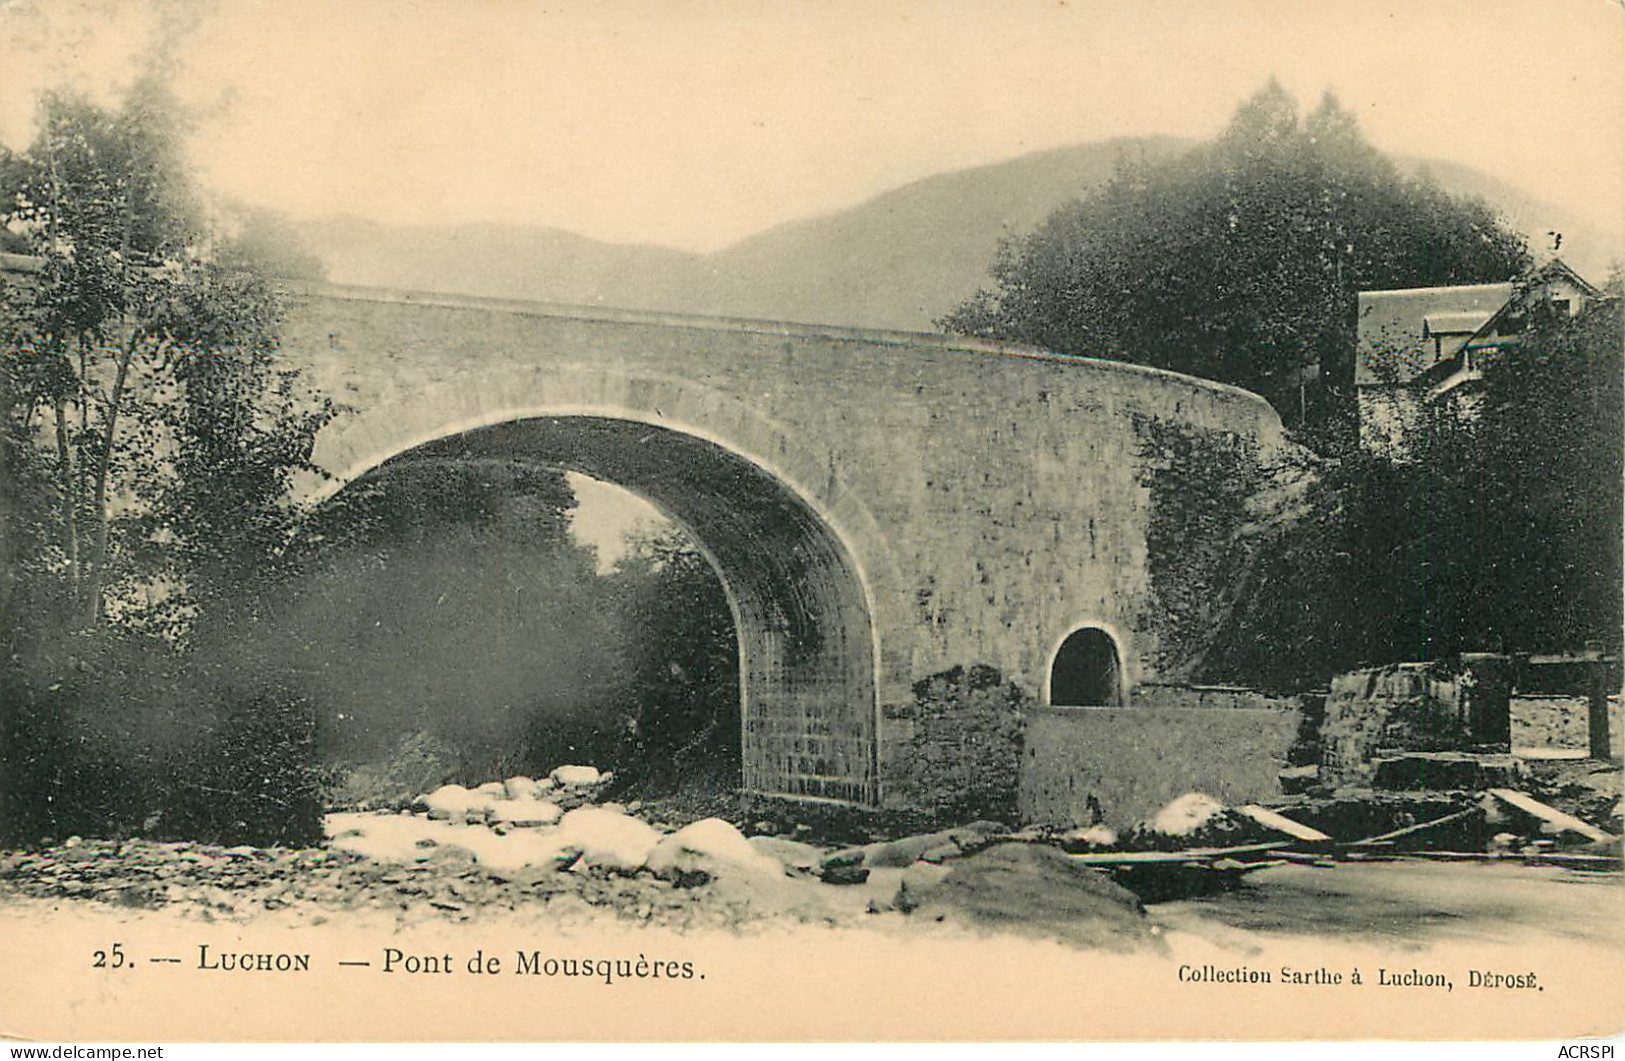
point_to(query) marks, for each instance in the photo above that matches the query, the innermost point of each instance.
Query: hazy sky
(692, 124)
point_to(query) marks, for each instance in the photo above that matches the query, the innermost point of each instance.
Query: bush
(115, 736)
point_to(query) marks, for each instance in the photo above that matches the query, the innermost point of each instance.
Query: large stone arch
(794, 553)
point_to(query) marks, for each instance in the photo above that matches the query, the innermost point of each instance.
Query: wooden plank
(1382, 854)
(1541, 661)
(1198, 854)
(1282, 824)
(1589, 863)
(1230, 865)
(1532, 806)
(1420, 827)
(1598, 727)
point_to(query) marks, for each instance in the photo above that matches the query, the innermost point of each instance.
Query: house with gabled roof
(1420, 346)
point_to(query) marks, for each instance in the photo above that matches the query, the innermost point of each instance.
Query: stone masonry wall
(988, 495)
(1119, 765)
(1402, 706)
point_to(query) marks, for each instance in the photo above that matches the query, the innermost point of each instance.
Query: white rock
(791, 854)
(526, 849)
(482, 807)
(494, 789)
(576, 776)
(1186, 814)
(525, 813)
(396, 839)
(606, 839)
(387, 838)
(1094, 836)
(710, 846)
(450, 802)
(521, 787)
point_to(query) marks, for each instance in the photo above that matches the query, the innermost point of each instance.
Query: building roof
(1455, 323)
(1395, 343)
(20, 263)
(1488, 333)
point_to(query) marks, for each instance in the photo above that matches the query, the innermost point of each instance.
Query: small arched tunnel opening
(1086, 671)
(806, 691)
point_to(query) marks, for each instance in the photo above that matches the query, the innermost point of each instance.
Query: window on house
(1562, 306)
(1086, 671)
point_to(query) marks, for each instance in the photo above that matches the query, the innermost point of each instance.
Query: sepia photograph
(1056, 520)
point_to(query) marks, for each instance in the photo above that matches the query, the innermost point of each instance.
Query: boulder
(934, 847)
(1091, 838)
(1187, 815)
(847, 874)
(606, 839)
(576, 776)
(845, 858)
(521, 851)
(525, 813)
(793, 855)
(897, 854)
(1193, 820)
(494, 789)
(388, 837)
(521, 787)
(451, 855)
(1035, 890)
(451, 803)
(708, 849)
(919, 881)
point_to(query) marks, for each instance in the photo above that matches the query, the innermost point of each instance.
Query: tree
(1241, 260)
(1541, 478)
(442, 600)
(682, 662)
(141, 393)
(148, 439)
(1501, 530)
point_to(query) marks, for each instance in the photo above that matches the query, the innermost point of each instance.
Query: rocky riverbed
(555, 848)
(550, 847)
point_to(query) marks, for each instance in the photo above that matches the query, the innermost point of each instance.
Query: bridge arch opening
(800, 610)
(1086, 670)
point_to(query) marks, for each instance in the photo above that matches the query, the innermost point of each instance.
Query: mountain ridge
(899, 260)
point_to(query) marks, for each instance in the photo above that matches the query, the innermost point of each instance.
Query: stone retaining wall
(1121, 764)
(1549, 721)
(1415, 707)
(1152, 694)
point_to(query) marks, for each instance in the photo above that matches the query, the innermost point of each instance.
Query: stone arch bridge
(880, 506)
